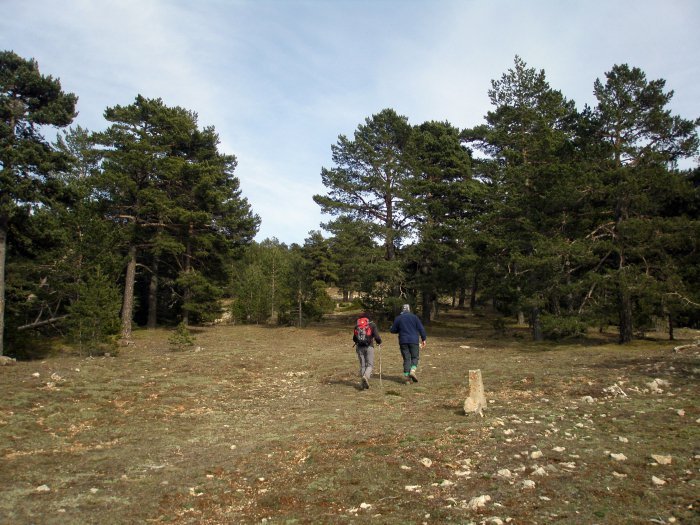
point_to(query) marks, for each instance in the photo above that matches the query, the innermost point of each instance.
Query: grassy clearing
(260, 423)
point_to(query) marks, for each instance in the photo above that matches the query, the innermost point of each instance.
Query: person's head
(405, 308)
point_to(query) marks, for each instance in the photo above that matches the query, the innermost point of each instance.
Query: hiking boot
(413, 377)
(365, 383)
(408, 380)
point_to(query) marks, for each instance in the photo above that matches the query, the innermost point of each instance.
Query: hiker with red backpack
(364, 336)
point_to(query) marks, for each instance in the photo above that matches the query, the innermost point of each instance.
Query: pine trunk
(475, 287)
(3, 251)
(625, 307)
(462, 298)
(153, 297)
(187, 294)
(536, 325)
(128, 302)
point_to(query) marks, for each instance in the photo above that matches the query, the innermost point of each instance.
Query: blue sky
(281, 79)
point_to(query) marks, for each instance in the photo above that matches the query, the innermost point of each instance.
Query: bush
(555, 328)
(181, 338)
(94, 316)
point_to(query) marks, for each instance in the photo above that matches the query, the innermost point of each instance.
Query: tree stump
(476, 402)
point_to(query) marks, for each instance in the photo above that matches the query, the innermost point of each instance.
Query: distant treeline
(563, 218)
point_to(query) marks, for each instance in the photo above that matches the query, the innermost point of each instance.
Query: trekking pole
(381, 385)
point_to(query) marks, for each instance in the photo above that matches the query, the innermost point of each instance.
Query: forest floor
(267, 425)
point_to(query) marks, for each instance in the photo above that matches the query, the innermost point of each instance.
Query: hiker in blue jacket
(412, 338)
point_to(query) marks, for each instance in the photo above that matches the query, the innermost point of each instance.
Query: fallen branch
(37, 324)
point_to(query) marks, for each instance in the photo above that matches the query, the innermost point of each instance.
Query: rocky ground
(268, 425)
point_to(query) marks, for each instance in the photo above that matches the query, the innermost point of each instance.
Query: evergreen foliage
(566, 219)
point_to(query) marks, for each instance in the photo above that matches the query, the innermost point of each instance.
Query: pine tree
(368, 180)
(28, 101)
(641, 145)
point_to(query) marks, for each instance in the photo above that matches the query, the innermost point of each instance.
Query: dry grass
(268, 424)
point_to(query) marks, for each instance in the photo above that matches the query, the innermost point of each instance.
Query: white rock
(405, 467)
(587, 399)
(478, 502)
(94, 490)
(447, 483)
(658, 481)
(680, 412)
(559, 449)
(619, 475)
(43, 488)
(618, 457)
(412, 488)
(504, 473)
(462, 473)
(495, 521)
(662, 460)
(36, 374)
(545, 498)
(622, 439)
(539, 472)
(528, 484)
(427, 462)
(536, 454)
(365, 506)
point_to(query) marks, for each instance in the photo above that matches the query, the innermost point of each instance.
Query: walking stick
(381, 385)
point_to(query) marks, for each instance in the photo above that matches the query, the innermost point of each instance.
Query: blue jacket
(409, 328)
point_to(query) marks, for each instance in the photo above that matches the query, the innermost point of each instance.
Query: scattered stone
(536, 454)
(495, 521)
(43, 488)
(622, 439)
(656, 384)
(412, 488)
(508, 432)
(528, 484)
(36, 374)
(427, 462)
(559, 449)
(447, 483)
(505, 473)
(94, 490)
(478, 502)
(539, 472)
(405, 467)
(7, 361)
(658, 481)
(365, 506)
(588, 399)
(545, 498)
(662, 460)
(619, 475)
(680, 412)
(618, 457)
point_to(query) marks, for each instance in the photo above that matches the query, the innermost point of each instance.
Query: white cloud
(280, 80)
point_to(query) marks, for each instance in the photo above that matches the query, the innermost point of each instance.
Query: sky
(280, 80)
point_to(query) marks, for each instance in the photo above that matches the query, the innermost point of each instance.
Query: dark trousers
(409, 352)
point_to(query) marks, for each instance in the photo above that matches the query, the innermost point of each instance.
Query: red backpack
(363, 332)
